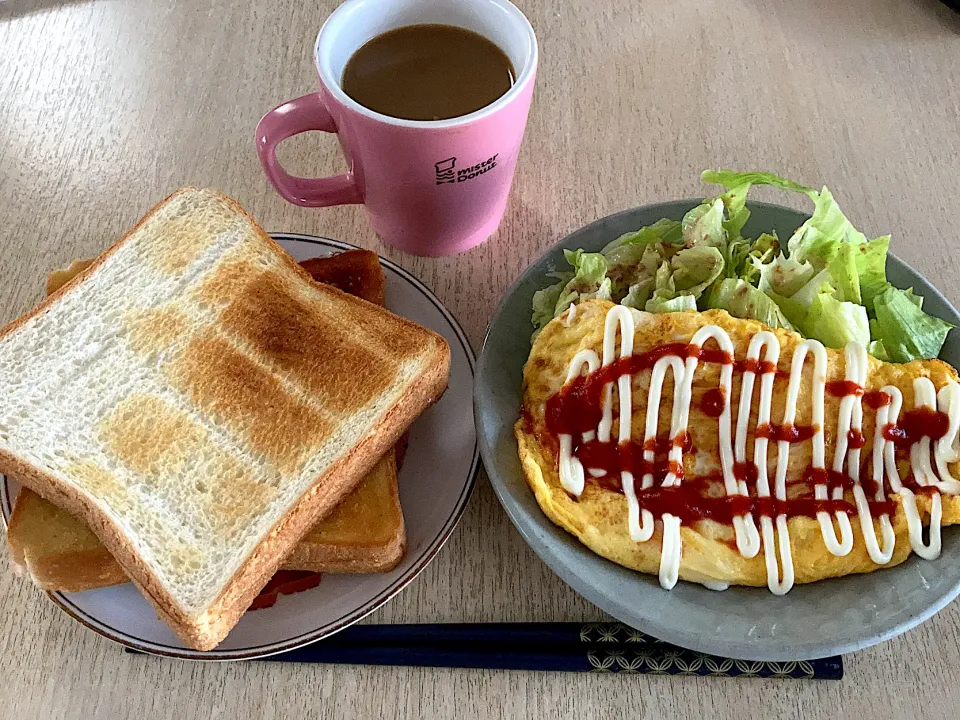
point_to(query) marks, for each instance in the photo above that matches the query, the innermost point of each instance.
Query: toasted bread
(357, 272)
(200, 403)
(365, 533)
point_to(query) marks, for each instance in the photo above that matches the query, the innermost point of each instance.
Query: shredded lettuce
(665, 231)
(827, 281)
(735, 202)
(836, 323)
(843, 273)
(785, 276)
(690, 271)
(628, 265)
(794, 311)
(589, 279)
(871, 261)
(819, 283)
(746, 259)
(743, 300)
(704, 225)
(733, 179)
(817, 239)
(545, 304)
(878, 350)
(906, 331)
(638, 294)
(664, 305)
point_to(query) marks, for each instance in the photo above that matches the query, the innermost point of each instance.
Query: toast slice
(356, 272)
(200, 403)
(365, 533)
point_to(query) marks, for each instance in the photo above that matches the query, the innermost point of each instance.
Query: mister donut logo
(449, 174)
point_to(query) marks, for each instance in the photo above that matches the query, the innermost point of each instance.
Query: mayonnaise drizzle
(773, 536)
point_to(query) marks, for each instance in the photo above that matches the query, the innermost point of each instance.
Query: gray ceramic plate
(825, 618)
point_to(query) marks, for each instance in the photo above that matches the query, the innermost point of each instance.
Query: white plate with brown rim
(436, 479)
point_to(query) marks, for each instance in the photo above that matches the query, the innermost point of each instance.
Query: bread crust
(207, 630)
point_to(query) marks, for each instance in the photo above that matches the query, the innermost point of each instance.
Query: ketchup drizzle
(687, 502)
(577, 409)
(713, 402)
(916, 424)
(877, 399)
(855, 439)
(842, 388)
(788, 433)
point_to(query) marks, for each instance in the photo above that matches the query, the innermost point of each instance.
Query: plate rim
(554, 557)
(380, 599)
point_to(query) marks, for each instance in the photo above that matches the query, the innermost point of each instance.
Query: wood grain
(108, 105)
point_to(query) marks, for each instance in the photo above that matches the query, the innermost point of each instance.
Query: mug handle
(292, 118)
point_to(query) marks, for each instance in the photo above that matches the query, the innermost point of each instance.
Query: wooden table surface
(108, 105)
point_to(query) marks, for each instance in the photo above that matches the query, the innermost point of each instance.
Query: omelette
(712, 449)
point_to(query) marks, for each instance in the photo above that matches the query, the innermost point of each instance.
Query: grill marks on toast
(152, 438)
(101, 483)
(234, 389)
(153, 330)
(236, 271)
(286, 332)
(156, 440)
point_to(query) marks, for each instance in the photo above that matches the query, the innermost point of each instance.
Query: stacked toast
(193, 411)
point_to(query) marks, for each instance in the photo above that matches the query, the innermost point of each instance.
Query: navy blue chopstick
(557, 647)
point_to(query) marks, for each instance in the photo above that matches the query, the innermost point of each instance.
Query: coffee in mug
(428, 72)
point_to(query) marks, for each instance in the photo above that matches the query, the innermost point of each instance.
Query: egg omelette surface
(598, 515)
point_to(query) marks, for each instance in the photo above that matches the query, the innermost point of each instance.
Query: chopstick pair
(553, 647)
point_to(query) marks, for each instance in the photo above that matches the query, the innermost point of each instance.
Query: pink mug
(429, 187)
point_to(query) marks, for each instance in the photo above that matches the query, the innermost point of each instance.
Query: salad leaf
(589, 279)
(732, 179)
(819, 283)
(735, 202)
(843, 273)
(794, 311)
(659, 304)
(638, 294)
(836, 323)
(628, 265)
(704, 225)
(666, 231)
(545, 304)
(588, 268)
(906, 331)
(817, 239)
(827, 280)
(785, 276)
(871, 260)
(743, 300)
(746, 259)
(878, 350)
(691, 271)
